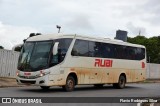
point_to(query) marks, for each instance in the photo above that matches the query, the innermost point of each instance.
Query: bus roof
(98, 39)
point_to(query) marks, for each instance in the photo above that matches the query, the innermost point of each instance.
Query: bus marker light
(143, 65)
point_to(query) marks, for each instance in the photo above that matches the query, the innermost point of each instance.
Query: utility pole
(59, 28)
(139, 32)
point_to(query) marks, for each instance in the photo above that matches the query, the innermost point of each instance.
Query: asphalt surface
(131, 90)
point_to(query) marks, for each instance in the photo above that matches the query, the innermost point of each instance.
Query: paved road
(131, 90)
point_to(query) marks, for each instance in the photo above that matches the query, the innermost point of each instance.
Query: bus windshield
(36, 56)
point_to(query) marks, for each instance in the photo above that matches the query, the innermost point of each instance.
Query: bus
(67, 60)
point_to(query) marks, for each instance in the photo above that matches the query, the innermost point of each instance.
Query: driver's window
(62, 50)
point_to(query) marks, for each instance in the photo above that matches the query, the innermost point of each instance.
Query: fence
(153, 71)
(9, 60)
(8, 63)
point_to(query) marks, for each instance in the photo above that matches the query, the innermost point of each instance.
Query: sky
(97, 18)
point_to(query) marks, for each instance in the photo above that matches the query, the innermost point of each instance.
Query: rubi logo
(103, 63)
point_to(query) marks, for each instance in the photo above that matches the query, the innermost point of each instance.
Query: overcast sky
(19, 18)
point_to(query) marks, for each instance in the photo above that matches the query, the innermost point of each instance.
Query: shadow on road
(84, 88)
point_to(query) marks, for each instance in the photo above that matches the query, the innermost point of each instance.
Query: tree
(18, 49)
(1, 47)
(152, 47)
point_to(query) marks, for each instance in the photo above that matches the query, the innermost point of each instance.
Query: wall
(9, 60)
(8, 63)
(153, 71)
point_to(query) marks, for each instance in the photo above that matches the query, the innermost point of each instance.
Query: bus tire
(121, 82)
(70, 84)
(45, 87)
(98, 85)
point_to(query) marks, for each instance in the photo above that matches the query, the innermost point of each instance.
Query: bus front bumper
(40, 81)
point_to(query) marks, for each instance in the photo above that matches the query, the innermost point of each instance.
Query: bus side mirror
(55, 48)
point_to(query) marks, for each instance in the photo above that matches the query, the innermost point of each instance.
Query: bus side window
(62, 50)
(112, 53)
(92, 49)
(80, 48)
(140, 53)
(98, 49)
(75, 49)
(74, 52)
(106, 51)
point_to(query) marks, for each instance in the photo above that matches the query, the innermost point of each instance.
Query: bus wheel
(70, 84)
(98, 85)
(121, 83)
(45, 87)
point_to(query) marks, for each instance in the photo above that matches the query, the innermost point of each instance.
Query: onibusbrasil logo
(21, 100)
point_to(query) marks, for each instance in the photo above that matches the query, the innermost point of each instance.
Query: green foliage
(18, 49)
(152, 47)
(1, 47)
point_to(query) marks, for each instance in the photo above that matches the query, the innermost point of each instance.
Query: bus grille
(29, 77)
(28, 82)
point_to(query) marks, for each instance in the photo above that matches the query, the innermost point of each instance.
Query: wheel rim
(122, 82)
(70, 84)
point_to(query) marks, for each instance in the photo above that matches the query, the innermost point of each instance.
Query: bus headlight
(43, 73)
(17, 73)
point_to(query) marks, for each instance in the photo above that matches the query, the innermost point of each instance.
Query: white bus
(70, 60)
